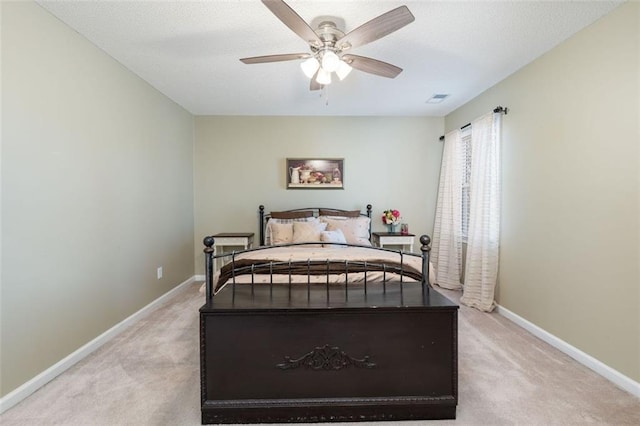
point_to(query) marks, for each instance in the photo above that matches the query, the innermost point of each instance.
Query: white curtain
(483, 241)
(447, 234)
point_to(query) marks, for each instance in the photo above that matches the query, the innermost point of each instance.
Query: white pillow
(333, 237)
(281, 233)
(307, 232)
(355, 229)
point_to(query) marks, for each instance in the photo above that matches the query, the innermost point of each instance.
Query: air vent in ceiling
(437, 98)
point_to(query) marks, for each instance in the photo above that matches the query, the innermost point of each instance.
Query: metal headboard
(264, 217)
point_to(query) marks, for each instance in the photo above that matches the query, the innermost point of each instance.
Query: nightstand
(230, 239)
(381, 239)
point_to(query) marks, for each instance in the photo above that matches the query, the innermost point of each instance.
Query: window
(466, 179)
(464, 149)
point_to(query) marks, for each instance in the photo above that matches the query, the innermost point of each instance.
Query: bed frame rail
(316, 267)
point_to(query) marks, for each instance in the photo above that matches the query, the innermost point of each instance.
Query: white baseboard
(26, 389)
(587, 360)
(14, 397)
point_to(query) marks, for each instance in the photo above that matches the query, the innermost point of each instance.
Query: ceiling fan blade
(292, 20)
(372, 66)
(275, 58)
(314, 85)
(376, 28)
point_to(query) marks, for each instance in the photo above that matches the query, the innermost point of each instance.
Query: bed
(316, 325)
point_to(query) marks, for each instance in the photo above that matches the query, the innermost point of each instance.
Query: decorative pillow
(355, 230)
(307, 232)
(339, 213)
(274, 221)
(333, 237)
(281, 233)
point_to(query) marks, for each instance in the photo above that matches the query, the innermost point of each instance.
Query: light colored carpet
(149, 375)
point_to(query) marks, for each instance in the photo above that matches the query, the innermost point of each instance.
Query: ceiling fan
(328, 44)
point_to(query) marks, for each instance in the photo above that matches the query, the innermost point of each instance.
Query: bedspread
(312, 262)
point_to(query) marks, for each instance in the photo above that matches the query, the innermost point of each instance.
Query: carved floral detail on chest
(326, 358)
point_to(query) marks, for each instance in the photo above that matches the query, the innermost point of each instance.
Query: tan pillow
(307, 232)
(355, 230)
(273, 221)
(281, 233)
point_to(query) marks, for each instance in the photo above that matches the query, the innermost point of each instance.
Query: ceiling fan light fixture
(324, 77)
(343, 70)
(310, 66)
(330, 61)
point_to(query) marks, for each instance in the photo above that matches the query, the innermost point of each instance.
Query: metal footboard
(236, 267)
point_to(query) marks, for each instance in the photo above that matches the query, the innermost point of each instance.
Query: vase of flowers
(391, 218)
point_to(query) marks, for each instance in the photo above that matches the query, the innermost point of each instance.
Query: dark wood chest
(383, 358)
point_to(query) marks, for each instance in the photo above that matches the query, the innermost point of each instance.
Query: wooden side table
(229, 239)
(381, 239)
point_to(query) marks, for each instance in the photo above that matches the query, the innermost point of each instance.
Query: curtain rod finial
(499, 108)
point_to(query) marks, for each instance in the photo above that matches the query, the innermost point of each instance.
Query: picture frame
(315, 173)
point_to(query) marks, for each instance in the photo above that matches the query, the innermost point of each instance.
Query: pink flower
(391, 216)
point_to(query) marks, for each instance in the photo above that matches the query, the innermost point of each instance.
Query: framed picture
(315, 173)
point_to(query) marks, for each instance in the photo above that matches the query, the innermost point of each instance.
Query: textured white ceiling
(190, 50)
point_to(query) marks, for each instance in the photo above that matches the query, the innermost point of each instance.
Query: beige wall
(570, 233)
(390, 162)
(97, 187)
(97, 192)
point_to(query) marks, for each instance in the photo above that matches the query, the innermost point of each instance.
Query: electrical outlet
(160, 272)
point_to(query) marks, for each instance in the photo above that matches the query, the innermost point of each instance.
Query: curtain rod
(496, 110)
